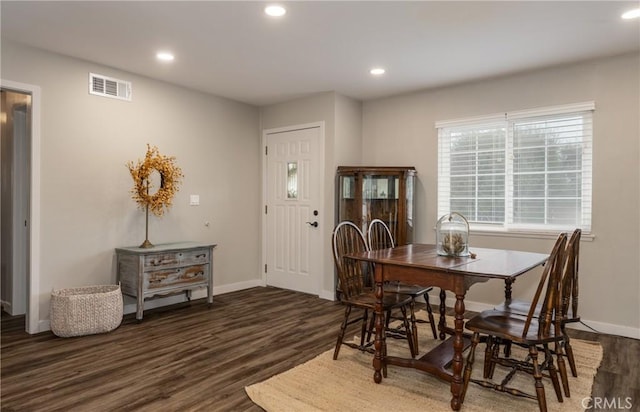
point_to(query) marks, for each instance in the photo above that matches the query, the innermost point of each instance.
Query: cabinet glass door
(380, 200)
(347, 198)
(410, 182)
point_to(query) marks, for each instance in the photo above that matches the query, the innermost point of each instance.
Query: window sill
(528, 234)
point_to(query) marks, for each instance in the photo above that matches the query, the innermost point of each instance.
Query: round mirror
(154, 182)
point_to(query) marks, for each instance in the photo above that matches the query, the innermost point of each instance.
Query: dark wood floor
(188, 357)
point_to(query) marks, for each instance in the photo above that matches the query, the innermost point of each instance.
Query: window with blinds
(523, 171)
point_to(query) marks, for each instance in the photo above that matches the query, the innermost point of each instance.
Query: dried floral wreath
(170, 178)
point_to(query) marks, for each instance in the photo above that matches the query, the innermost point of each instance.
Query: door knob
(314, 224)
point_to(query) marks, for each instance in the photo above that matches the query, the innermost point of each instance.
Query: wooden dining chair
(380, 237)
(570, 294)
(530, 331)
(356, 291)
(569, 297)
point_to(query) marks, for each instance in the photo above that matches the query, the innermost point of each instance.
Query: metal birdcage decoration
(452, 235)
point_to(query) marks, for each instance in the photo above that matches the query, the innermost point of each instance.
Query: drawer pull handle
(160, 262)
(202, 255)
(193, 275)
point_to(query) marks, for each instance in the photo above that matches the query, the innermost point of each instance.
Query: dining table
(420, 264)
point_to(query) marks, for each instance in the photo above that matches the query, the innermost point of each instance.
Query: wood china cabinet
(386, 193)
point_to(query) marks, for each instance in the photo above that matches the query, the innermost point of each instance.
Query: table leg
(507, 288)
(458, 346)
(210, 283)
(139, 307)
(379, 344)
(442, 324)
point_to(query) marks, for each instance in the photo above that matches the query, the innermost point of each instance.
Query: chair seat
(367, 300)
(516, 306)
(414, 291)
(521, 307)
(508, 326)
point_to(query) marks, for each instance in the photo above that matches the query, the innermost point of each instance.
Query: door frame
(32, 322)
(321, 208)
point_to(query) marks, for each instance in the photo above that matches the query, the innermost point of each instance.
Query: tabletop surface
(486, 262)
(165, 247)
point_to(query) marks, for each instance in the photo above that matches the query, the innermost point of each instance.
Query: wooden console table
(165, 269)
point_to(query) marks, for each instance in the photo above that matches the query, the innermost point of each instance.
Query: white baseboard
(44, 325)
(601, 327)
(130, 307)
(7, 307)
(130, 302)
(607, 328)
(234, 287)
(327, 295)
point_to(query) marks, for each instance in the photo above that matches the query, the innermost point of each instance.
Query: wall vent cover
(109, 87)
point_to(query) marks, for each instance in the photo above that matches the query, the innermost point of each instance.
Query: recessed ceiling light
(275, 11)
(377, 71)
(165, 56)
(631, 14)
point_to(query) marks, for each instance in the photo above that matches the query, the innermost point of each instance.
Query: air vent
(109, 87)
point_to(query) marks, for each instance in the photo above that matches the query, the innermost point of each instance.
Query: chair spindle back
(379, 235)
(551, 278)
(570, 277)
(352, 274)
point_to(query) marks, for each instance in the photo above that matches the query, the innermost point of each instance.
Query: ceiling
(232, 49)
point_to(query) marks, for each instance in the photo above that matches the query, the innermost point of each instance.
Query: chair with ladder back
(356, 291)
(538, 328)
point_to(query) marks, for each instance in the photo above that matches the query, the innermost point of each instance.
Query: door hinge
(265, 268)
(265, 209)
(266, 150)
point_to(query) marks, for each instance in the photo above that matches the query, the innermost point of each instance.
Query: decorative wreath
(170, 178)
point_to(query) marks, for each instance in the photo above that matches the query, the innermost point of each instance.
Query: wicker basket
(86, 310)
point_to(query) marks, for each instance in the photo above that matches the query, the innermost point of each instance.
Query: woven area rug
(346, 384)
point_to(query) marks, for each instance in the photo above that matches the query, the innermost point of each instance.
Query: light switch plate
(194, 200)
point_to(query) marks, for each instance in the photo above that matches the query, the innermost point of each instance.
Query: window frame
(508, 120)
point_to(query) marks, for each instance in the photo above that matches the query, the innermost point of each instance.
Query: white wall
(610, 264)
(86, 208)
(347, 148)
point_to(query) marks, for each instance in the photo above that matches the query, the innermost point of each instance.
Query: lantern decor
(148, 197)
(452, 233)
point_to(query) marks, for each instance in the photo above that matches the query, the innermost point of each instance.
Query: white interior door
(293, 210)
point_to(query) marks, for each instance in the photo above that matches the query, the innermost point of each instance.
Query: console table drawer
(173, 277)
(158, 260)
(173, 259)
(194, 257)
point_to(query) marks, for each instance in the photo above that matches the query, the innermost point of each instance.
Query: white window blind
(525, 170)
